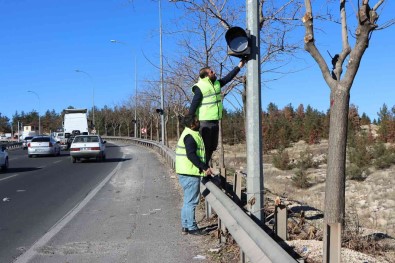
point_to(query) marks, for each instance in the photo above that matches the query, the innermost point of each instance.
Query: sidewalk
(133, 217)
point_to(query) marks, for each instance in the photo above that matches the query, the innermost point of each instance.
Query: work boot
(198, 232)
(184, 231)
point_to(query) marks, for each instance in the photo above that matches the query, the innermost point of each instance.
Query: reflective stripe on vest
(183, 164)
(211, 105)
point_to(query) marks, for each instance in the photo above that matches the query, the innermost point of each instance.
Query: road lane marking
(58, 161)
(32, 251)
(5, 178)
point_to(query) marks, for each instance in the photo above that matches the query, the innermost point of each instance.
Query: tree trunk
(157, 130)
(178, 128)
(336, 166)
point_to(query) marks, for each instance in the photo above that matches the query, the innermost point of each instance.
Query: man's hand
(208, 172)
(241, 63)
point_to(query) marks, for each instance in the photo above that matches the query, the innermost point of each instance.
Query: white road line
(32, 251)
(58, 161)
(8, 177)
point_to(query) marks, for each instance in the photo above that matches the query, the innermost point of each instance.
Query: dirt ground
(370, 208)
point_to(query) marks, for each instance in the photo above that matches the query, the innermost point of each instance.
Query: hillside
(370, 204)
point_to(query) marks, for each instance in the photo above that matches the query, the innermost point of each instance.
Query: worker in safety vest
(207, 105)
(191, 167)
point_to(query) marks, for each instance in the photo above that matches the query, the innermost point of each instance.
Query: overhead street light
(135, 78)
(39, 118)
(162, 102)
(93, 94)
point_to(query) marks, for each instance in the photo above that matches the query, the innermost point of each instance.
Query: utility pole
(254, 119)
(162, 103)
(135, 97)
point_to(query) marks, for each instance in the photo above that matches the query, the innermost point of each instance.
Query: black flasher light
(239, 42)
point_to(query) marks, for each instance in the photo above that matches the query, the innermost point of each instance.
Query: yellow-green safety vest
(183, 164)
(211, 106)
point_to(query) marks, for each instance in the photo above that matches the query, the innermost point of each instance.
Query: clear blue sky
(43, 42)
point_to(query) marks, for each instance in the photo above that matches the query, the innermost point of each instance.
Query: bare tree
(125, 118)
(340, 85)
(106, 112)
(115, 120)
(204, 25)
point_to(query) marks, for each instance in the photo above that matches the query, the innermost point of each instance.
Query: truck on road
(75, 122)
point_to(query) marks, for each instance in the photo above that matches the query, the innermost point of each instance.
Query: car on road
(43, 145)
(25, 141)
(86, 147)
(4, 163)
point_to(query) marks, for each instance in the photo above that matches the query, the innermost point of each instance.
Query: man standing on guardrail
(191, 167)
(207, 105)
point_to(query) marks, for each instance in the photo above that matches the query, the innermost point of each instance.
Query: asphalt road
(124, 210)
(35, 193)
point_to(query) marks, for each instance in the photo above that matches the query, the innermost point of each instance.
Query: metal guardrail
(257, 245)
(12, 145)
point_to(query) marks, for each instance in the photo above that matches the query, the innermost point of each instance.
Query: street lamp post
(162, 117)
(93, 95)
(39, 118)
(135, 79)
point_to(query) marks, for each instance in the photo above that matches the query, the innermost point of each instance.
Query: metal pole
(162, 117)
(39, 106)
(135, 99)
(93, 94)
(254, 119)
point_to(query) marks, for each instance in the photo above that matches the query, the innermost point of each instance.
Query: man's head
(208, 72)
(191, 122)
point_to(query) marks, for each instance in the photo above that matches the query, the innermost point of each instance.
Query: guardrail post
(207, 208)
(242, 257)
(280, 218)
(223, 232)
(333, 235)
(237, 177)
(223, 177)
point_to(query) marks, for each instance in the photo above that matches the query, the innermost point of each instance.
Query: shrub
(379, 150)
(358, 151)
(306, 160)
(384, 161)
(384, 157)
(353, 237)
(300, 179)
(357, 173)
(281, 160)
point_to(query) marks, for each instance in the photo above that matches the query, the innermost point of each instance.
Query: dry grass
(372, 201)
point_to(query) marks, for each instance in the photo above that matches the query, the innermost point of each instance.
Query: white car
(4, 158)
(26, 141)
(86, 147)
(43, 145)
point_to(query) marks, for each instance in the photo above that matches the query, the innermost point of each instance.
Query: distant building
(29, 130)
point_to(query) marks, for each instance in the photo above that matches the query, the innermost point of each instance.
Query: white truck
(28, 134)
(59, 137)
(75, 122)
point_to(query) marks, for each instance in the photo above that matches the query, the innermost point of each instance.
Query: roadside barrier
(13, 145)
(255, 243)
